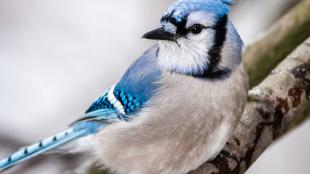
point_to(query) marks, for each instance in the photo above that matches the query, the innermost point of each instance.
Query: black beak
(159, 34)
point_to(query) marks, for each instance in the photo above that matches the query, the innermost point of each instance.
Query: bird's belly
(185, 124)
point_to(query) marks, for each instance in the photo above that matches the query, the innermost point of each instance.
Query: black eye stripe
(180, 25)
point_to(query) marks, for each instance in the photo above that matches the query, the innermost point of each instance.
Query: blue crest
(182, 8)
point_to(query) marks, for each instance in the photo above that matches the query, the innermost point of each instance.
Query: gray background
(57, 56)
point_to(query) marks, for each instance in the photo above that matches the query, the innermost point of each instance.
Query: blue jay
(175, 107)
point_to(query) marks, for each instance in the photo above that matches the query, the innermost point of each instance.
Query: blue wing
(129, 95)
(119, 102)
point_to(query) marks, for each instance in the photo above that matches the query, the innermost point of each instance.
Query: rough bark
(278, 104)
(279, 41)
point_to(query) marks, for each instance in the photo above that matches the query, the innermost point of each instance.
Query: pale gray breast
(186, 123)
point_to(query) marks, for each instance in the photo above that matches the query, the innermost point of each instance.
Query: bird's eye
(196, 28)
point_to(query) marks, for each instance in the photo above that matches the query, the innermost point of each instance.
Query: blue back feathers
(134, 89)
(141, 78)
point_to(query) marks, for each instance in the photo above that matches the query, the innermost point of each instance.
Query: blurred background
(57, 56)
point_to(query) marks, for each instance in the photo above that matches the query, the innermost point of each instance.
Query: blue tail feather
(74, 132)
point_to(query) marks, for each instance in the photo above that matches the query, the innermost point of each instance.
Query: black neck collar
(218, 73)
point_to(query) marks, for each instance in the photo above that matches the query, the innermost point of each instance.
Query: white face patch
(201, 17)
(190, 54)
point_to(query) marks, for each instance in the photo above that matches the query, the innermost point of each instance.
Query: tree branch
(274, 107)
(279, 41)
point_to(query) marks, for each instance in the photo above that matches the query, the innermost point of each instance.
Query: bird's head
(192, 36)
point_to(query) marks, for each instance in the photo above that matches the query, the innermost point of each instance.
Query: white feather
(113, 100)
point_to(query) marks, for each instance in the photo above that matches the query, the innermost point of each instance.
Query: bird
(175, 107)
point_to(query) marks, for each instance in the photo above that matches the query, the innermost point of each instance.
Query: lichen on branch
(278, 42)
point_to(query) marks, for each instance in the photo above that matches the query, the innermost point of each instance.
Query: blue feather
(102, 103)
(135, 88)
(182, 8)
(141, 78)
(77, 131)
